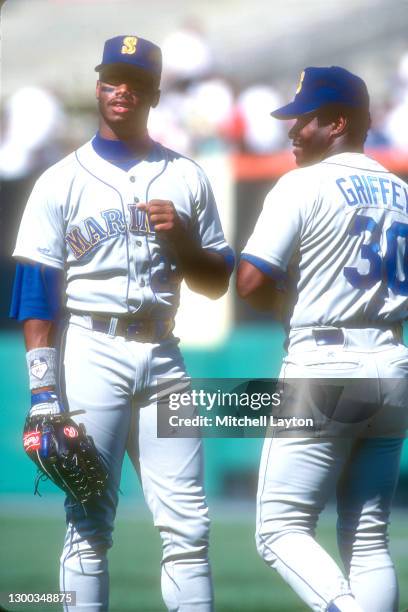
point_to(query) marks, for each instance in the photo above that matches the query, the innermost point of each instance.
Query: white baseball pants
(114, 382)
(299, 474)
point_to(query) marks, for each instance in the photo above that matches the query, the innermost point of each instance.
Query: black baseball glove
(62, 450)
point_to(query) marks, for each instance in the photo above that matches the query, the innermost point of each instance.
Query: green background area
(32, 528)
(231, 464)
(250, 352)
(243, 583)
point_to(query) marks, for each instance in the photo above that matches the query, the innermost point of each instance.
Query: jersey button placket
(140, 257)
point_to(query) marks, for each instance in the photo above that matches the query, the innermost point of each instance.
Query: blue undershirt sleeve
(36, 292)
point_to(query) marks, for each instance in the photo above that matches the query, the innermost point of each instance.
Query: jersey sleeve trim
(264, 266)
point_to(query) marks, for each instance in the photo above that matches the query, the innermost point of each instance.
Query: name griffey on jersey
(82, 240)
(374, 190)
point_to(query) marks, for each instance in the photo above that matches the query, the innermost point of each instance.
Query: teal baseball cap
(319, 87)
(134, 52)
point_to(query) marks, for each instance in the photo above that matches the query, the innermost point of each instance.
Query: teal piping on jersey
(264, 266)
(118, 153)
(124, 216)
(162, 171)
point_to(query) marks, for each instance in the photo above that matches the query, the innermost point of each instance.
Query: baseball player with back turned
(123, 220)
(329, 253)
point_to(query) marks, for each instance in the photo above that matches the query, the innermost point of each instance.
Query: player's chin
(302, 158)
(299, 157)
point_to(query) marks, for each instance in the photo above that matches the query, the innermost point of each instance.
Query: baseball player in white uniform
(123, 220)
(329, 255)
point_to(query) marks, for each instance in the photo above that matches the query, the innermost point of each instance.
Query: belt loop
(113, 323)
(87, 319)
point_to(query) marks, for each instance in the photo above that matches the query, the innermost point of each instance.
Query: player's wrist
(42, 389)
(42, 368)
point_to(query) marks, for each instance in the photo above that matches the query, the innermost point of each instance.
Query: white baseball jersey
(82, 217)
(339, 231)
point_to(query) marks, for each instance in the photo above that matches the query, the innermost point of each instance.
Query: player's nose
(293, 130)
(124, 87)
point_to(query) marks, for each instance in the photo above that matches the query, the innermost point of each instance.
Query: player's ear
(155, 98)
(340, 125)
(98, 89)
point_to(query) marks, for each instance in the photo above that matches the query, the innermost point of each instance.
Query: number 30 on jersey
(389, 268)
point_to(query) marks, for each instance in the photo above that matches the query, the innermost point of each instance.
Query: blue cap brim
(124, 66)
(131, 68)
(293, 110)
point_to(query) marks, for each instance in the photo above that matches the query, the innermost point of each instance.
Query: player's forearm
(265, 298)
(260, 291)
(38, 333)
(204, 271)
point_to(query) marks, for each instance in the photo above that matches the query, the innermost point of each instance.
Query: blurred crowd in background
(202, 112)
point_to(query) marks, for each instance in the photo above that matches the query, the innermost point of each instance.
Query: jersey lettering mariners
(339, 230)
(91, 227)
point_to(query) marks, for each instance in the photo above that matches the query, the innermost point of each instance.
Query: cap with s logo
(319, 87)
(134, 52)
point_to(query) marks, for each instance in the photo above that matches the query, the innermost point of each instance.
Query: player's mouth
(297, 148)
(121, 106)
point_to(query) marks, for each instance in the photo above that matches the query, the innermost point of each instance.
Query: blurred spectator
(166, 123)
(377, 137)
(186, 54)
(209, 105)
(33, 120)
(193, 117)
(261, 133)
(195, 110)
(396, 124)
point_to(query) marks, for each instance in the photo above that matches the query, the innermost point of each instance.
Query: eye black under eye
(135, 84)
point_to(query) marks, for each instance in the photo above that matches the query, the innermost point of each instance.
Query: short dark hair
(358, 120)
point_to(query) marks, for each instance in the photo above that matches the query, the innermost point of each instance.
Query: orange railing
(249, 167)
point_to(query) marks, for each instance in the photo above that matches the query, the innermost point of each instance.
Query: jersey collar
(118, 153)
(353, 159)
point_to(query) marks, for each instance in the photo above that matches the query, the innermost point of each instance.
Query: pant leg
(297, 476)
(366, 489)
(171, 473)
(364, 497)
(98, 381)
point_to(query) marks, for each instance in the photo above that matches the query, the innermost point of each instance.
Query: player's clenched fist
(163, 217)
